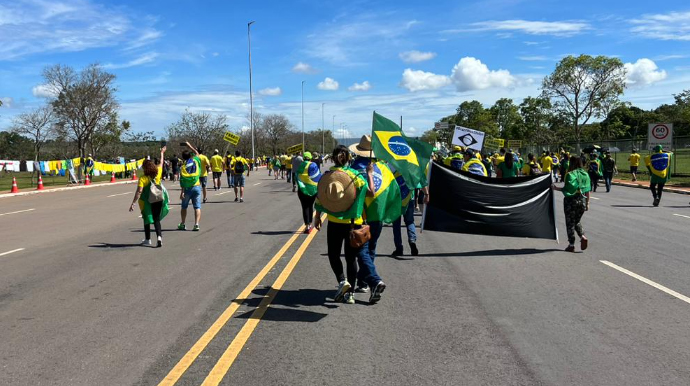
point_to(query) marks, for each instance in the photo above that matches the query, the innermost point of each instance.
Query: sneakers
(293, 188)
(656, 202)
(376, 293)
(397, 252)
(343, 287)
(414, 250)
(349, 298)
(571, 248)
(236, 199)
(196, 228)
(146, 242)
(205, 199)
(181, 227)
(241, 199)
(159, 243)
(362, 289)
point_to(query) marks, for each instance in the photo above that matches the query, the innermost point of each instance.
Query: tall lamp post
(323, 132)
(303, 117)
(333, 131)
(251, 96)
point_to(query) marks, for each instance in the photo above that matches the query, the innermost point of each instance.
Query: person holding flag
(308, 176)
(151, 213)
(658, 164)
(383, 206)
(191, 189)
(473, 164)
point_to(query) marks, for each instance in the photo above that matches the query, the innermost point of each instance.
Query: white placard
(469, 138)
(660, 134)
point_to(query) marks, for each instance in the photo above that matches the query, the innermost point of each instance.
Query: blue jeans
(408, 216)
(608, 177)
(367, 275)
(193, 194)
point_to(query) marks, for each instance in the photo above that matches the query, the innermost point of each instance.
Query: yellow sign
(232, 138)
(493, 143)
(294, 149)
(514, 144)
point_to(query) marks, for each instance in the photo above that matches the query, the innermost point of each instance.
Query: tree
(536, 120)
(110, 134)
(37, 125)
(85, 101)
(474, 116)
(507, 117)
(581, 86)
(430, 136)
(276, 128)
(202, 129)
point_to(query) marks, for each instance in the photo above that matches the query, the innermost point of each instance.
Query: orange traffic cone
(15, 189)
(40, 183)
(87, 181)
(112, 177)
(134, 175)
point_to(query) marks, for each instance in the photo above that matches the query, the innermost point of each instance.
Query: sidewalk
(645, 185)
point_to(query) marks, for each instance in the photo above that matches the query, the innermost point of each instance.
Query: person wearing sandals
(341, 194)
(576, 202)
(151, 213)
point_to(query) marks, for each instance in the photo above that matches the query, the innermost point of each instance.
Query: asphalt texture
(83, 304)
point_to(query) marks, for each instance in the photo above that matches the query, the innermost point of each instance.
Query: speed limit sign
(660, 134)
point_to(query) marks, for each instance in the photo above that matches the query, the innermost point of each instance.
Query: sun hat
(307, 155)
(336, 191)
(363, 148)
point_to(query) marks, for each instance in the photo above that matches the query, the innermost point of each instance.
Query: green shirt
(576, 182)
(506, 172)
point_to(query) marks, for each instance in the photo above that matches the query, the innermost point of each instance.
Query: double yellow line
(226, 360)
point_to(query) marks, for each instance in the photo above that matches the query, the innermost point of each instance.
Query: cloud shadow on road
(491, 252)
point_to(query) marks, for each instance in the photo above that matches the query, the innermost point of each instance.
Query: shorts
(193, 194)
(633, 169)
(217, 174)
(238, 180)
(282, 167)
(203, 181)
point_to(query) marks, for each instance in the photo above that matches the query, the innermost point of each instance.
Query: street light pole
(323, 132)
(303, 117)
(251, 96)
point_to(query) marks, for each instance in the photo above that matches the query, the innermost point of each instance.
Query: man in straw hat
(384, 206)
(341, 194)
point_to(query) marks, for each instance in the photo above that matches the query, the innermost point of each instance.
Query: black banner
(466, 203)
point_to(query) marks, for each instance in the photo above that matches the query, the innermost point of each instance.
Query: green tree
(580, 87)
(473, 115)
(537, 119)
(203, 130)
(430, 136)
(507, 117)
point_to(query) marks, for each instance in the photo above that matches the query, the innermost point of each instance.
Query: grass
(24, 181)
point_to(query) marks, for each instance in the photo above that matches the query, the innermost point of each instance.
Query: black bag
(239, 167)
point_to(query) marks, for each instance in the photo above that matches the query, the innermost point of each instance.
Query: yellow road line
(228, 358)
(189, 358)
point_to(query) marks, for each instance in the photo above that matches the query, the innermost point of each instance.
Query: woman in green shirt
(575, 202)
(508, 168)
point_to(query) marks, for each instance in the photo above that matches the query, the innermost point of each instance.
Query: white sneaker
(146, 242)
(343, 287)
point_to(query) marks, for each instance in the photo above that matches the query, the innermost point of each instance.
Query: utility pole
(251, 96)
(323, 132)
(303, 117)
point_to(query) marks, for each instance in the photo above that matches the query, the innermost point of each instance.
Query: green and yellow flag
(354, 211)
(308, 177)
(408, 156)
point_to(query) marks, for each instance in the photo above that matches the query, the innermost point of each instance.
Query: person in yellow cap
(455, 159)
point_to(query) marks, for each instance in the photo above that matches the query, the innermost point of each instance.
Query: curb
(50, 190)
(631, 185)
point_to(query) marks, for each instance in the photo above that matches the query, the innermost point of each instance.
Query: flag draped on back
(385, 205)
(354, 211)
(408, 156)
(308, 176)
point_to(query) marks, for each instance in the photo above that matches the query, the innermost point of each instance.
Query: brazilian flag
(385, 205)
(308, 176)
(408, 156)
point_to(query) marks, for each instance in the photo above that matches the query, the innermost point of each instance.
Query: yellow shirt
(217, 163)
(288, 163)
(146, 181)
(204, 165)
(634, 159)
(546, 164)
(238, 159)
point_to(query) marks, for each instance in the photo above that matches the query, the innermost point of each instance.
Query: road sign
(294, 149)
(514, 144)
(234, 139)
(472, 139)
(441, 125)
(660, 134)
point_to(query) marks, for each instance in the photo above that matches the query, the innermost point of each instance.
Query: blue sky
(410, 58)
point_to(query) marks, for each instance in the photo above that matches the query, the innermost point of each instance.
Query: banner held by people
(466, 203)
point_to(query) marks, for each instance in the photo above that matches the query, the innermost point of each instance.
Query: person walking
(191, 187)
(152, 212)
(296, 162)
(532, 167)
(308, 176)
(205, 168)
(608, 165)
(508, 168)
(634, 160)
(341, 194)
(228, 171)
(473, 164)
(276, 167)
(288, 170)
(217, 169)
(575, 202)
(239, 166)
(594, 169)
(175, 165)
(658, 164)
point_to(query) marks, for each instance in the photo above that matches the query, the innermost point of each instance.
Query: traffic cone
(112, 177)
(40, 183)
(87, 181)
(15, 189)
(134, 175)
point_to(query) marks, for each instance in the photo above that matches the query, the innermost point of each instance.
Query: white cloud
(667, 26)
(557, 28)
(536, 58)
(328, 84)
(662, 58)
(304, 68)
(416, 56)
(417, 80)
(146, 58)
(471, 74)
(643, 73)
(364, 86)
(271, 91)
(6, 102)
(30, 27)
(44, 91)
(215, 54)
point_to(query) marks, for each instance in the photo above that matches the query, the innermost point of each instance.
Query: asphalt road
(83, 304)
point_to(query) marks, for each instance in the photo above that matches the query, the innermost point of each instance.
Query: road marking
(119, 194)
(19, 211)
(258, 183)
(189, 358)
(681, 215)
(594, 198)
(12, 251)
(226, 360)
(647, 281)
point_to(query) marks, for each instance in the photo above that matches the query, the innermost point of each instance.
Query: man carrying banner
(575, 202)
(658, 164)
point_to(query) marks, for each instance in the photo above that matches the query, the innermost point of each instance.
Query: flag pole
(426, 207)
(371, 147)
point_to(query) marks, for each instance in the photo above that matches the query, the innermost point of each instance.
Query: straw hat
(336, 191)
(363, 148)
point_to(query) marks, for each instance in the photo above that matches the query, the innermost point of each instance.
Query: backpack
(239, 166)
(594, 167)
(155, 192)
(534, 169)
